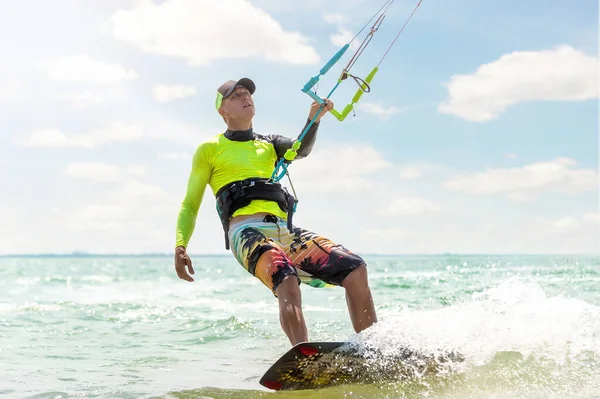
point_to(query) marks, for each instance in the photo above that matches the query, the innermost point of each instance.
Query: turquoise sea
(127, 327)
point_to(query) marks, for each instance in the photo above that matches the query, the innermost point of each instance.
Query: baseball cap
(227, 88)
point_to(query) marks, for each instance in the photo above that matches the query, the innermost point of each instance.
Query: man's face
(239, 104)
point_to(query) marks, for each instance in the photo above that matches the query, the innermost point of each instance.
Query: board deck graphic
(310, 365)
(313, 365)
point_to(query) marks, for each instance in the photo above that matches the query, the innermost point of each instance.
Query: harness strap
(240, 193)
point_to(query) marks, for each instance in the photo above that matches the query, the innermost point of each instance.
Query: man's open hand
(181, 261)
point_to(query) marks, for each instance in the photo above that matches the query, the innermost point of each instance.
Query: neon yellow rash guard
(228, 157)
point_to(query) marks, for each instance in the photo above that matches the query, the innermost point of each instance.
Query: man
(256, 215)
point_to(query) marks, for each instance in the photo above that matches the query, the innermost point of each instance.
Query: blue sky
(480, 134)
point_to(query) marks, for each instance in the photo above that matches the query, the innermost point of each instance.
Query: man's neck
(239, 125)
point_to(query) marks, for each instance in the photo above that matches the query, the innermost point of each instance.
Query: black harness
(238, 194)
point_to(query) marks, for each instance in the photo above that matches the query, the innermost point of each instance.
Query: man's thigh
(258, 250)
(319, 256)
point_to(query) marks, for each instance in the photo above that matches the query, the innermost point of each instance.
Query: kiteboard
(312, 365)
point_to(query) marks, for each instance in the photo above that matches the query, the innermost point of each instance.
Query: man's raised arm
(282, 143)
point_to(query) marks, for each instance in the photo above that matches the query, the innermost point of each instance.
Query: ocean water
(127, 327)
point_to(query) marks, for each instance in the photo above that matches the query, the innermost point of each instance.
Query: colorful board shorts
(314, 260)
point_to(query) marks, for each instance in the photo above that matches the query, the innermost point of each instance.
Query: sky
(479, 134)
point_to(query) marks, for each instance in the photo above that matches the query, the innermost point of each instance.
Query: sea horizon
(75, 254)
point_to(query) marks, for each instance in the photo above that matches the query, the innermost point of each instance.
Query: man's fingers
(183, 274)
(189, 264)
(180, 268)
(180, 274)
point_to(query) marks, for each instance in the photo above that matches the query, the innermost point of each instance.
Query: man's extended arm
(283, 143)
(197, 181)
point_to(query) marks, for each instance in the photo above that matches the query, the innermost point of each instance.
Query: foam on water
(515, 340)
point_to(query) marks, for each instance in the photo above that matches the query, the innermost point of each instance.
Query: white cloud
(336, 19)
(527, 182)
(174, 155)
(563, 225)
(136, 170)
(81, 68)
(136, 190)
(410, 173)
(378, 109)
(174, 92)
(45, 137)
(392, 233)
(411, 206)
(560, 74)
(349, 165)
(203, 31)
(309, 8)
(84, 99)
(342, 37)
(592, 217)
(522, 197)
(174, 130)
(9, 88)
(571, 230)
(103, 172)
(103, 217)
(120, 212)
(116, 132)
(94, 171)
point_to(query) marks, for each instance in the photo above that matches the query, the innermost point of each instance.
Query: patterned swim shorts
(314, 260)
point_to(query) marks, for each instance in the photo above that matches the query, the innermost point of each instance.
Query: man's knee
(283, 276)
(357, 277)
(288, 286)
(288, 292)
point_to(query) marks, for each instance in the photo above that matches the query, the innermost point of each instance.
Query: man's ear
(222, 112)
